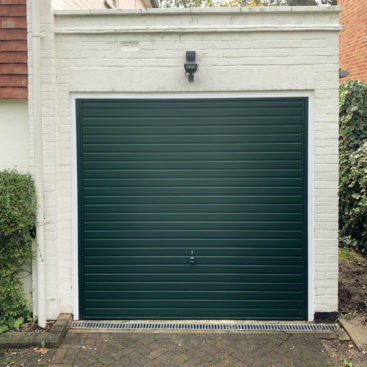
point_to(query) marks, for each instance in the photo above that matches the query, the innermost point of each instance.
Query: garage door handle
(192, 258)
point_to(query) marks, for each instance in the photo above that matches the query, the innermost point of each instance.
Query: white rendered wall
(274, 50)
(14, 134)
(14, 147)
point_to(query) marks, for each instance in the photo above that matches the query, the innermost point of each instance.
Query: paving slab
(179, 349)
(357, 332)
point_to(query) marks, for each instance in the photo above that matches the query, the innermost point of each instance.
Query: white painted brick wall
(85, 54)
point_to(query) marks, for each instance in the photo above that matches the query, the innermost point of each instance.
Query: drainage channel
(135, 325)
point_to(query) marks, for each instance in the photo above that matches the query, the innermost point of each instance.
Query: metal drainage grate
(135, 325)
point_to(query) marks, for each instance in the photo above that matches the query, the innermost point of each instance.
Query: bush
(352, 164)
(354, 226)
(352, 115)
(17, 218)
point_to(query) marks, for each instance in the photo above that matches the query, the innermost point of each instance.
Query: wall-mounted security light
(190, 66)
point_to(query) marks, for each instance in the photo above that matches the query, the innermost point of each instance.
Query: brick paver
(183, 349)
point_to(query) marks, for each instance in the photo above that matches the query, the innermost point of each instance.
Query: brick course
(13, 49)
(353, 39)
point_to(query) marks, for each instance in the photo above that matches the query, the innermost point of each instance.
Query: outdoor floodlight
(190, 65)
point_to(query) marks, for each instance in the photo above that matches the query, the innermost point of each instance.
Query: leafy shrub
(354, 226)
(17, 218)
(352, 115)
(353, 164)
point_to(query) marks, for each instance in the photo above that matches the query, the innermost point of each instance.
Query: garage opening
(192, 208)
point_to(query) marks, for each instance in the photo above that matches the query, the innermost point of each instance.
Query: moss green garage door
(223, 181)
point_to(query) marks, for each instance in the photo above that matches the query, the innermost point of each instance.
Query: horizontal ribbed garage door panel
(201, 122)
(96, 169)
(189, 147)
(200, 243)
(224, 178)
(173, 112)
(194, 286)
(189, 225)
(200, 103)
(195, 277)
(212, 295)
(97, 178)
(179, 179)
(92, 254)
(158, 216)
(259, 177)
(193, 199)
(209, 140)
(188, 132)
(196, 313)
(203, 268)
(191, 208)
(181, 260)
(202, 156)
(203, 190)
(193, 234)
(193, 303)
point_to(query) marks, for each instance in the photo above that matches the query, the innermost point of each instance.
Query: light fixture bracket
(190, 65)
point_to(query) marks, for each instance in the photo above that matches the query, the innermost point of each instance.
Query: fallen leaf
(41, 350)
(350, 345)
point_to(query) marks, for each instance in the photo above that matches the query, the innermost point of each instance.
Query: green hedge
(17, 218)
(354, 229)
(353, 164)
(352, 115)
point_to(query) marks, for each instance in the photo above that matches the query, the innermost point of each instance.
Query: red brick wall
(13, 49)
(353, 45)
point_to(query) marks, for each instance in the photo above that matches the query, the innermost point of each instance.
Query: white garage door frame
(214, 95)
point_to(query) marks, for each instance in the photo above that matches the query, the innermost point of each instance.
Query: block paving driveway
(183, 349)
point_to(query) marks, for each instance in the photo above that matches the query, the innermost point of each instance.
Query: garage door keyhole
(192, 258)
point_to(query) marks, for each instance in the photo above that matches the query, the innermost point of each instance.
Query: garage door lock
(192, 258)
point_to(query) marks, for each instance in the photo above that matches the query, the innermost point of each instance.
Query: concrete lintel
(261, 28)
(203, 11)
